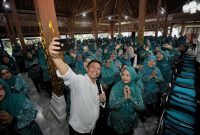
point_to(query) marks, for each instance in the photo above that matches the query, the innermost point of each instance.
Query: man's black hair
(92, 61)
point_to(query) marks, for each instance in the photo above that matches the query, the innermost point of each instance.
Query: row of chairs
(178, 117)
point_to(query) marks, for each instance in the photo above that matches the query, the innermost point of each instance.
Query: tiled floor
(51, 126)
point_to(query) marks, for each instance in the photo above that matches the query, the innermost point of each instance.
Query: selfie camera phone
(66, 44)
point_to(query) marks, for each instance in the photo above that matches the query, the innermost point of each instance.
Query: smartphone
(66, 44)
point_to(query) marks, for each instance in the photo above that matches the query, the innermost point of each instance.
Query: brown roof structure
(108, 11)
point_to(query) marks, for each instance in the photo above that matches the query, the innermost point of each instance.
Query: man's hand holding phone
(66, 44)
(59, 45)
(54, 48)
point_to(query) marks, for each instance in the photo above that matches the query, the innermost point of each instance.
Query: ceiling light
(6, 5)
(109, 18)
(162, 11)
(84, 14)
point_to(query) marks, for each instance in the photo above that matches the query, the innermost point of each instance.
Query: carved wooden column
(17, 25)
(141, 27)
(95, 20)
(49, 28)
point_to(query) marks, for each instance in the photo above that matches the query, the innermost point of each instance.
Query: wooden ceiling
(65, 9)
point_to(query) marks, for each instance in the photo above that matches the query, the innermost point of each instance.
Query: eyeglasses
(6, 72)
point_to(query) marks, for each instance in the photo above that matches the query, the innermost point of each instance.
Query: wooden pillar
(165, 30)
(171, 28)
(95, 20)
(112, 29)
(9, 28)
(46, 15)
(17, 25)
(72, 27)
(141, 27)
(158, 18)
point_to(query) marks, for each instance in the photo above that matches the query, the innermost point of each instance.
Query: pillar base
(58, 107)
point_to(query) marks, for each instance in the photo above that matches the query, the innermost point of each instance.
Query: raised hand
(53, 48)
(118, 46)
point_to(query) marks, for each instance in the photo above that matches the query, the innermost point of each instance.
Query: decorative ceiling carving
(126, 9)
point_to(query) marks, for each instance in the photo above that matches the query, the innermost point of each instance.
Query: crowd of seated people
(133, 76)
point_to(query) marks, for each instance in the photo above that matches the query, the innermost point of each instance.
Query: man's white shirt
(84, 110)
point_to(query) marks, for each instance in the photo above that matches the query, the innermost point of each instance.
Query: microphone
(99, 89)
(98, 85)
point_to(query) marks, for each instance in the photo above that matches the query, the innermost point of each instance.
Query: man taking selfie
(85, 96)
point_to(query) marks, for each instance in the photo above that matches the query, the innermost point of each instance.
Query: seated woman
(125, 100)
(151, 76)
(16, 83)
(17, 113)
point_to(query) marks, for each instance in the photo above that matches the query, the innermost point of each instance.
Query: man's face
(2, 93)
(94, 70)
(5, 74)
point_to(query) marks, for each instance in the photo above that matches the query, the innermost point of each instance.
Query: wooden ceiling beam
(103, 12)
(84, 11)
